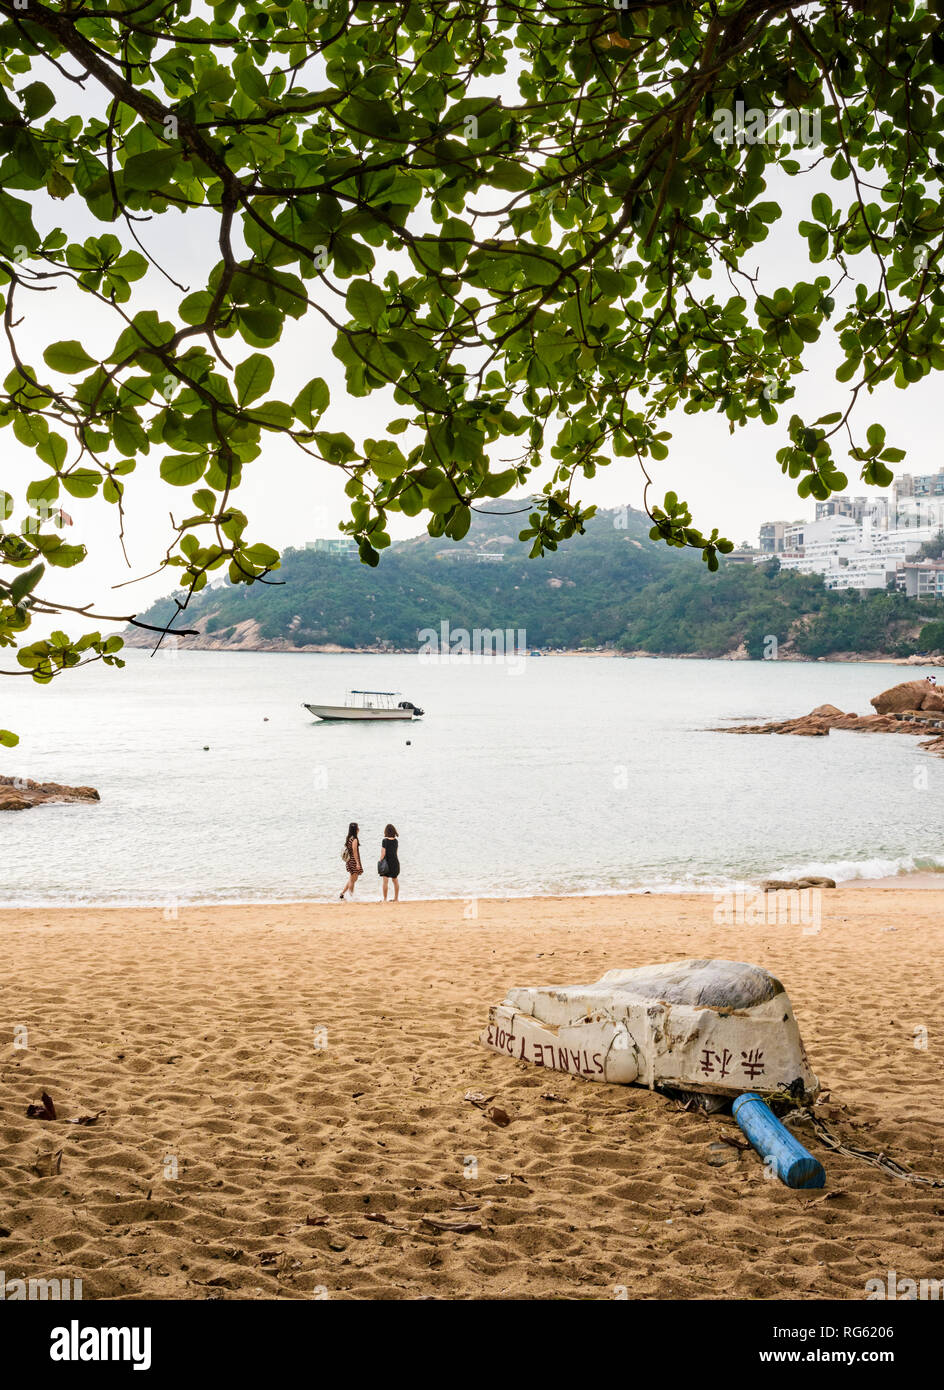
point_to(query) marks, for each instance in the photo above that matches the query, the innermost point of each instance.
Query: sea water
(538, 775)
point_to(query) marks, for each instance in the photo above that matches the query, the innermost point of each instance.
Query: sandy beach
(283, 1093)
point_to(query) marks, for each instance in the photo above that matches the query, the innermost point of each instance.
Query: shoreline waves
(884, 876)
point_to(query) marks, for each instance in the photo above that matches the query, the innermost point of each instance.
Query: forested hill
(612, 587)
(577, 596)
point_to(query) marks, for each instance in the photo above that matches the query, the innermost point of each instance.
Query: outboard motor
(408, 704)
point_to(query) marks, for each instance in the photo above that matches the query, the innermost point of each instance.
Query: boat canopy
(372, 699)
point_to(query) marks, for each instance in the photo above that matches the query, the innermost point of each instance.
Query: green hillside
(611, 587)
(714, 614)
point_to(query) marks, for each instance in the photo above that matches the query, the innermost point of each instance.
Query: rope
(872, 1156)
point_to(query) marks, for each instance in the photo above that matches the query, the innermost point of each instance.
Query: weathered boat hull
(712, 1026)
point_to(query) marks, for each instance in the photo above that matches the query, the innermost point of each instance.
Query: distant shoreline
(144, 642)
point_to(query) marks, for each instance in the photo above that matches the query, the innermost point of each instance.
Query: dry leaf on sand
(461, 1227)
(45, 1111)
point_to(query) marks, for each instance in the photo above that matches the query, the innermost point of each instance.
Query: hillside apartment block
(867, 542)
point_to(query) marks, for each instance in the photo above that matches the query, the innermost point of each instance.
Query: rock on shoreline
(20, 794)
(910, 695)
(779, 885)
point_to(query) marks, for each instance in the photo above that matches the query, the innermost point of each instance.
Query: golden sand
(283, 1089)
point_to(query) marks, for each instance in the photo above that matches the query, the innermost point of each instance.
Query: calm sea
(572, 775)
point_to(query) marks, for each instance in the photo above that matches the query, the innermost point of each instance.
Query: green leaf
(251, 80)
(130, 438)
(16, 227)
(53, 450)
(24, 584)
(275, 415)
(261, 326)
(68, 357)
(37, 100)
(365, 302)
(822, 207)
(253, 377)
(459, 523)
(81, 482)
(262, 555)
(154, 168)
(498, 484)
(65, 556)
(30, 429)
(385, 458)
(337, 447)
(204, 500)
(181, 470)
(311, 402)
(43, 490)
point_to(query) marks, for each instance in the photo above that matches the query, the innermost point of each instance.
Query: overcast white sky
(730, 481)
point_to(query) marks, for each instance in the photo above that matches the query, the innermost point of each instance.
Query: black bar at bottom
(163, 1339)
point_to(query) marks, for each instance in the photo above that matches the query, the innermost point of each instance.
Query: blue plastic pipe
(775, 1144)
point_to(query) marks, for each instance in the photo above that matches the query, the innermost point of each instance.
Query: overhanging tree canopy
(531, 221)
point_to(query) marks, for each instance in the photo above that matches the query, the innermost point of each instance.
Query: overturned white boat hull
(714, 1026)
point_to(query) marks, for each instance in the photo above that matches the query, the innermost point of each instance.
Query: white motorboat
(368, 704)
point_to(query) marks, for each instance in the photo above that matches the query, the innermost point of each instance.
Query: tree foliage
(687, 613)
(934, 548)
(533, 222)
(931, 637)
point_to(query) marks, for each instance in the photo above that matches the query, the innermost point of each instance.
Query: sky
(731, 481)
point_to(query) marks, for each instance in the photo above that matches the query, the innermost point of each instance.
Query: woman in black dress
(389, 866)
(351, 854)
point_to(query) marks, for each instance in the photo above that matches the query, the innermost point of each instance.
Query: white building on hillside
(850, 554)
(923, 579)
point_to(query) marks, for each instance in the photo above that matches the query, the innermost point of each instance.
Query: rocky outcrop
(19, 794)
(910, 695)
(926, 718)
(238, 637)
(817, 723)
